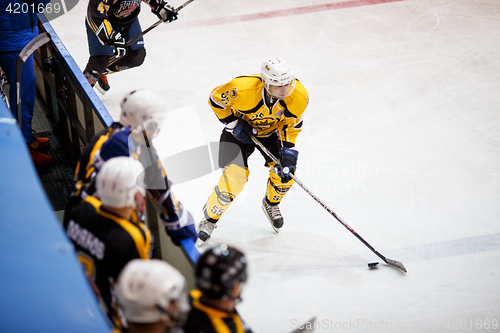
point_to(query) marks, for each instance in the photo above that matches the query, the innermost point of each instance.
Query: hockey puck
(372, 264)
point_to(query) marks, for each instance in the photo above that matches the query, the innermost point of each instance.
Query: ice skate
(102, 84)
(205, 229)
(273, 214)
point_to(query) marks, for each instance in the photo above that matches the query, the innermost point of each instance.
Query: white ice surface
(401, 139)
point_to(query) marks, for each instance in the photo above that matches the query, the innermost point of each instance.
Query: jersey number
(87, 263)
(102, 8)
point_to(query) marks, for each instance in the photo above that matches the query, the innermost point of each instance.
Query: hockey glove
(118, 44)
(180, 227)
(241, 130)
(288, 157)
(165, 12)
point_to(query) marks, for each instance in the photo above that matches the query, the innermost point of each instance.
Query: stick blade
(396, 264)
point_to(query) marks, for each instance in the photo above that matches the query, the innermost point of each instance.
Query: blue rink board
(42, 287)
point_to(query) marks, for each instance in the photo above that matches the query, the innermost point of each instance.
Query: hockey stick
(393, 263)
(154, 25)
(130, 42)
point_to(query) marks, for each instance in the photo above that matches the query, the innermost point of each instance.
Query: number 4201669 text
(17, 8)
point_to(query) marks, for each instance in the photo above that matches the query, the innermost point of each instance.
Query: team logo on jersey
(279, 113)
(127, 7)
(233, 93)
(126, 12)
(264, 123)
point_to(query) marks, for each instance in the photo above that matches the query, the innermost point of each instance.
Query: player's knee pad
(233, 179)
(132, 59)
(136, 57)
(273, 176)
(276, 189)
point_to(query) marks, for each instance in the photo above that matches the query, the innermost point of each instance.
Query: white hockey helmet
(143, 107)
(119, 179)
(278, 78)
(149, 289)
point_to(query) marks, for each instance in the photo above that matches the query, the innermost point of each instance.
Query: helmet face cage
(278, 79)
(176, 307)
(219, 269)
(143, 110)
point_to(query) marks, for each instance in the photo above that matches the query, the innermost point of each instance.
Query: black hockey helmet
(219, 269)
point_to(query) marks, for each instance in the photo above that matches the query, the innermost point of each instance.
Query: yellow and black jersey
(85, 169)
(102, 15)
(244, 97)
(203, 318)
(158, 185)
(105, 243)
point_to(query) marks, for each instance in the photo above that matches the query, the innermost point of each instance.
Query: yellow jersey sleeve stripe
(90, 166)
(92, 24)
(77, 169)
(142, 243)
(108, 27)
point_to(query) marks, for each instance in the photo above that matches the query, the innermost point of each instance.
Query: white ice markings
(451, 248)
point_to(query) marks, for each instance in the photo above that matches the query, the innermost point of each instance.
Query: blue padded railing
(43, 286)
(74, 74)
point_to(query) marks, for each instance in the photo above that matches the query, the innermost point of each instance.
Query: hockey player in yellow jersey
(268, 106)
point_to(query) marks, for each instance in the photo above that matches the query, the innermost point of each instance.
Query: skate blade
(200, 242)
(99, 89)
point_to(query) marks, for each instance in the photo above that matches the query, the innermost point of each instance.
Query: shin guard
(230, 184)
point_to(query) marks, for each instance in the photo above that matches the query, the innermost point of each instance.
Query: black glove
(288, 157)
(241, 130)
(165, 12)
(118, 44)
